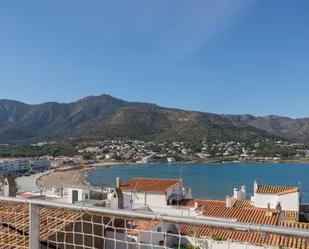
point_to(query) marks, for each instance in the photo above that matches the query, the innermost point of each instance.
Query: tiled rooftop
(256, 238)
(251, 215)
(243, 203)
(201, 202)
(276, 190)
(149, 184)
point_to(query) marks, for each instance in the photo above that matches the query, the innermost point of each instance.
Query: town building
(19, 166)
(154, 193)
(287, 197)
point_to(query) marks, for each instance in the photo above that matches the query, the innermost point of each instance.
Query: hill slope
(114, 118)
(293, 129)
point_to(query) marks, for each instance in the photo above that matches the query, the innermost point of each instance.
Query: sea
(211, 181)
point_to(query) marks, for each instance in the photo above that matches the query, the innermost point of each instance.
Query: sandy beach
(70, 177)
(28, 183)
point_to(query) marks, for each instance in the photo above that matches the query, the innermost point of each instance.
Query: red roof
(201, 202)
(276, 190)
(250, 215)
(274, 240)
(149, 184)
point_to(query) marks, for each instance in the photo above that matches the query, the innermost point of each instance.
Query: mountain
(109, 117)
(293, 129)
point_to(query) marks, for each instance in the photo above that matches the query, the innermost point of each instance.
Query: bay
(212, 181)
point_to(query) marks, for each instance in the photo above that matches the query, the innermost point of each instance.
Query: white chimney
(118, 182)
(236, 193)
(269, 212)
(243, 192)
(228, 202)
(195, 204)
(255, 186)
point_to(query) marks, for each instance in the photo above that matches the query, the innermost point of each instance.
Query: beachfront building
(39, 164)
(285, 197)
(19, 166)
(8, 166)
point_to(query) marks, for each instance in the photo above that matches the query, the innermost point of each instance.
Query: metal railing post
(34, 232)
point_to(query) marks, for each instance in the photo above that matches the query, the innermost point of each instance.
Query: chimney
(255, 186)
(10, 186)
(228, 202)
(243, 191)
(236, 193)
(269, 212)
(195, 204)
(118, 182)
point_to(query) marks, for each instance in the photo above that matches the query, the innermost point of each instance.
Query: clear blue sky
(221, 56)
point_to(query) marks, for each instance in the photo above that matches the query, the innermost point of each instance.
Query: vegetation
(26, 150)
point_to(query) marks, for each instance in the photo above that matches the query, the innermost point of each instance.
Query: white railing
(31, 223)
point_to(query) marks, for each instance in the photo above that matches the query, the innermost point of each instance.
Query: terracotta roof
(297, 224)
(276, 190)
(13, 238)
(290, 215)
(256, 238)
(251, 215)
(243, 203)
(201, 202)
(13, 214)
(140, 225)
(149, 184)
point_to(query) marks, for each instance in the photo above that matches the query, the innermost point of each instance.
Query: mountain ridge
(111, 117)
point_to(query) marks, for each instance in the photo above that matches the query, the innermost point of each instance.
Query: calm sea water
(212, 181)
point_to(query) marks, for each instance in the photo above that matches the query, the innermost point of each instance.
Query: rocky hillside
(293, 129)
(114, 118)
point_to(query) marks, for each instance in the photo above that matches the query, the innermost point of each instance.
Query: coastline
(71, 176)
(76, 176)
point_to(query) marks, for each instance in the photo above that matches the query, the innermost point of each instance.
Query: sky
(219, 56)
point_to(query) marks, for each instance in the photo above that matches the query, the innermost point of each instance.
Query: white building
(153, 193)
(39, 164)
(143, 234)
(288, 198)
(11, 166)
(147, 159)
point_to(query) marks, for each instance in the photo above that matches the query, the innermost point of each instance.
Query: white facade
(288, 202)
(154, 199)
(75, 195)
(22, 165)
(13, 166)
(153, 235)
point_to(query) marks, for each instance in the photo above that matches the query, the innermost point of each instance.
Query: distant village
(150, 152)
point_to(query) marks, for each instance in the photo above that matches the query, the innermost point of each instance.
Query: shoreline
(71, 176)
(76, 176)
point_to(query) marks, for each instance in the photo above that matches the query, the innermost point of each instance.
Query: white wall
(261, 200)
(81, 193)
(144, 198)
(155, 236)
(289, 202)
